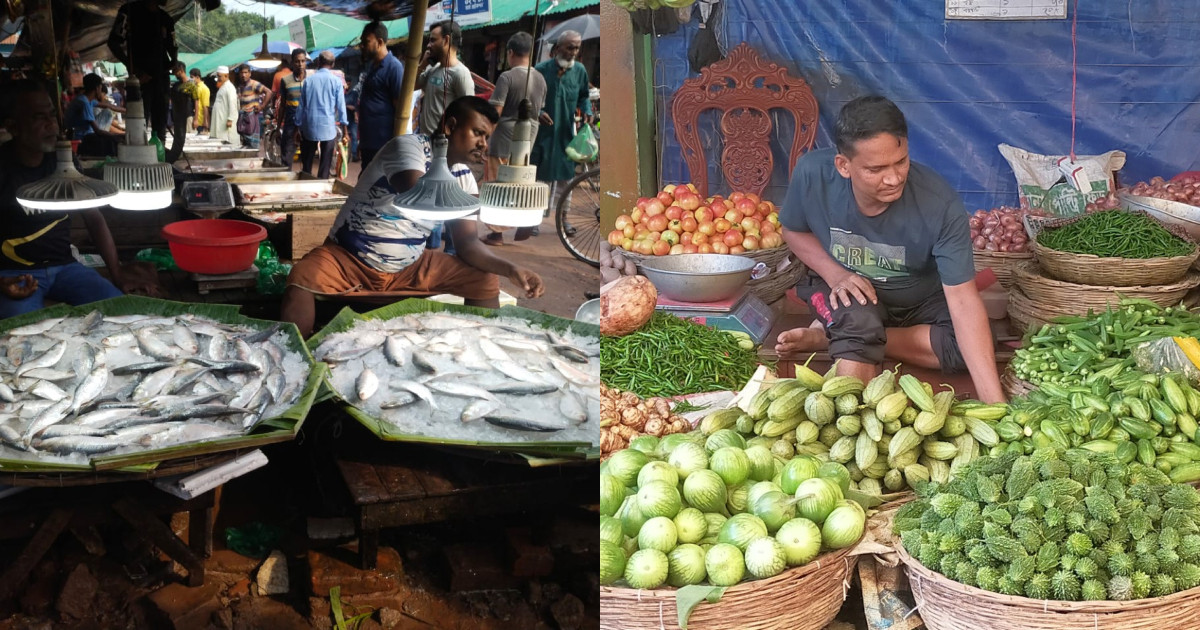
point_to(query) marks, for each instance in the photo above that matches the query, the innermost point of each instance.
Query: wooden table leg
(161, 535)
(200, 524)
(41, 542)
(368, 547)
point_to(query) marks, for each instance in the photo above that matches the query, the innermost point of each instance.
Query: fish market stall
(510, 380)
(133, 381)
(201, 163)
(304, 208)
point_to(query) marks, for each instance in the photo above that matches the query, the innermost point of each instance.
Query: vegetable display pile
(1184, 190)
(689, 510)
(890, 434)
(1058, 525)
(1079, 350)
(1116, 234)
(679, 221)
(1000, 229)
(624, 416)
(670, 356)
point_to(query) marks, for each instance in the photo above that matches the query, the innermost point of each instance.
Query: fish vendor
(35, 248)
(371, 249)
(887, 243)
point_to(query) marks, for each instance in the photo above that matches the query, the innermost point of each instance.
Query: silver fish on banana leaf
(517, 423)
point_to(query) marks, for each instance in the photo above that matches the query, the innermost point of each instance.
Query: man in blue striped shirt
(321, 115)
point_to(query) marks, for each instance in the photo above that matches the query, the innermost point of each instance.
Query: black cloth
(309, 147)
(287, 138)
(143, 38)
(859, 332)
(29, 241)
(367, 155)
(154, 99)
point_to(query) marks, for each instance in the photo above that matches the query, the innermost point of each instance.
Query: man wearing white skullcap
(225, 109)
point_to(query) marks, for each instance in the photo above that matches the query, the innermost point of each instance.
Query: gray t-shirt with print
(441, 86)
(922, 240)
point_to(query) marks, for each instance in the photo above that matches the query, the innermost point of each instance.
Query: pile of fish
(81, 386)
(437, 374)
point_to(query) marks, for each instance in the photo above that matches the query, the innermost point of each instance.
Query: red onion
(980, 242)
(1002, 229)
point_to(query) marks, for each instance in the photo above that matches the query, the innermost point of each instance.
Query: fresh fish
(100, 417)
(117, 340)
(450, 338)
(31, 408)
(575, 375)
(49, 391)
(393, 350)
(260, 357)
(225, 367)
(139, 368)
(242, 349)
(441, 322)
(205, 411)
(414, 337)
(261, 335)
(151, 345)
(86, 444)
(125, 320)
(472, 359)
(248, 393)
(184, 379)
(36, 328)
(49, 374)
(422, 361)
(47, 359)
(516, 372)
(420, 390)
(90, 322)
(478, 409)
(63, 429)
(275, 352)
(188, 432)
(185, 339)
(571, 409)
(520, 345)
(18, 350)
(349, 354)
(523, 424)
(462, 390)
(523, 389)
(571, 353)
(493, 351)
(6, 393)
(366, 384)
(402, 399)
(153, 384)
(11, 436)
(441, 348)
(276, 384)
(90, 388)
(120, 395)
(51, 415)
(135, 432)
(218, 347)
(85, 359)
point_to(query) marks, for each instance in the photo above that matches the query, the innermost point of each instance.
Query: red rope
(1074, 71)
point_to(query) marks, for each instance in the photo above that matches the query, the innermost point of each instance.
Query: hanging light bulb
(144, 182)
(263, 60)
(437, 196)
(516, 198)
(66, 189)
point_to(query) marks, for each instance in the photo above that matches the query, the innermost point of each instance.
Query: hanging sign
(466, 12)
(1006, 9)
(300, 31)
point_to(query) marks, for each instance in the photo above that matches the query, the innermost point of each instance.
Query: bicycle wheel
(270, 142)
(577, 217)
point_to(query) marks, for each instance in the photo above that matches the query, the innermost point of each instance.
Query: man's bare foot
(800, 340)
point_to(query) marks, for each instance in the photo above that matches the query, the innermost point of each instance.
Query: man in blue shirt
(381, 87)
(321, 115)
(81, 120)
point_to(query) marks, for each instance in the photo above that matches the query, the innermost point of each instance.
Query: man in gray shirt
(441, 77)
(889, 246)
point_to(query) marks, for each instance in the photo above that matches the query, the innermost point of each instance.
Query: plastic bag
(162, 259)
(1169, 355)
(272, 274)
(1059, 186)
(255, 540)
(583, 148)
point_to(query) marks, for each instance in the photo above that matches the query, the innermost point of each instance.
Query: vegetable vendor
(370, 248)
(889, 243)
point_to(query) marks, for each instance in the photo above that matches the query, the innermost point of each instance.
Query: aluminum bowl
(1184, 215)
(699, 277)
(589, 312)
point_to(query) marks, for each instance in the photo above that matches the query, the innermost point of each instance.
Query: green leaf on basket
(867, 501)
(688, 597)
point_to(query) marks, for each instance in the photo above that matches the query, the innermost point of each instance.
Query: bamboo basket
(1023, 313)
(1014, 386)
(1095, 270)
(949, 605)
(769, 288)
(803, 598)
(1042, 290)
(1001, 263)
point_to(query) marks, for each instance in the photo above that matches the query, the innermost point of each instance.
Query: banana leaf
(534, 451)
(278, 429)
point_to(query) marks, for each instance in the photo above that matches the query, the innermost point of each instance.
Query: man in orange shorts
(372, 249)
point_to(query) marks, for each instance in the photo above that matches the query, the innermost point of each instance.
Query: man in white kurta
(225, 109)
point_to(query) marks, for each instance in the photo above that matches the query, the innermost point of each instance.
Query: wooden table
(409, 485)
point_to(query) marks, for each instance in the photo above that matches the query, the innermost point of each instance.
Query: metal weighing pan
(225, 152)
(1184, 215)
(285, 196)
(197, 164)
(698, 277)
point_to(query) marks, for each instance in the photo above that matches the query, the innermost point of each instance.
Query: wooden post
(39, 24)
(412, 60)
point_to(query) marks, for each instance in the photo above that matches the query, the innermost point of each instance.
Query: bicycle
(578, 224)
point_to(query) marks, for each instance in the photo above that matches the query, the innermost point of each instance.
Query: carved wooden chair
(745, 89)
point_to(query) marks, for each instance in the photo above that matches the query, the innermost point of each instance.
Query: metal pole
(416, 37)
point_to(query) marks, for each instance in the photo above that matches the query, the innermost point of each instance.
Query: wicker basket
(1042, 290)
(770, 287)
(1023, 313)
(1014, 386)
(949, 605)
(803, 598)
(1001, 263)
(1119, 272)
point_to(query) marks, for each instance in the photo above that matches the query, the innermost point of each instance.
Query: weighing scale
(208, 199)
(744, 312)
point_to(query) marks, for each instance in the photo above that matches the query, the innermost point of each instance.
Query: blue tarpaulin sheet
(967, 86)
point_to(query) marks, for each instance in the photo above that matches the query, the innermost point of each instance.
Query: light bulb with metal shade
(263, 60)
(144, 182)
(67, 189)
(516, 198)
(437, 196)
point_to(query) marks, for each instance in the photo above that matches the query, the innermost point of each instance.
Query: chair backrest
(745, 88)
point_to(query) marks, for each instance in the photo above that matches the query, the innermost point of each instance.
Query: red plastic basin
(214, 246)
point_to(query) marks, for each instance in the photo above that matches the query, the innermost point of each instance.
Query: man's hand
(229, 124)
(545, 119)
(531, 282)
(18, 287)
(849, 287)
